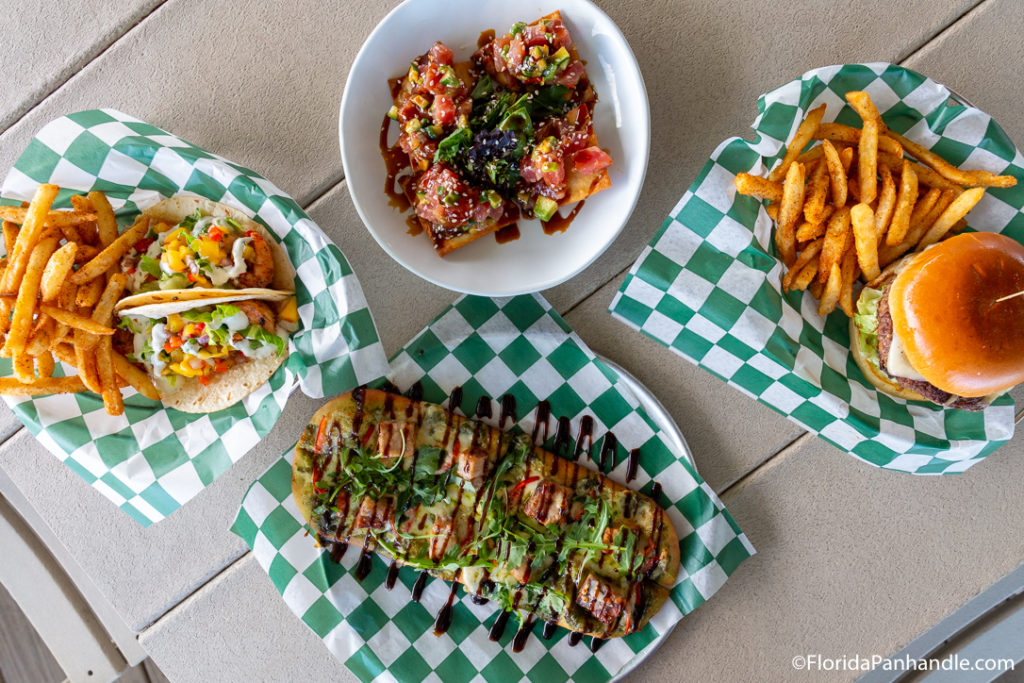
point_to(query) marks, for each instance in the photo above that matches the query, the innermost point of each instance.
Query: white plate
(535, 261)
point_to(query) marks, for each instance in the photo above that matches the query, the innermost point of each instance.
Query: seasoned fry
(85, 253)
(773, 211)
(104, 310)
(809, 231)
(112, 253)
(817, 191)
(850, 272)
(56, 271)
(28, 236)
(867, 161)
(44, 365)
(833, 288)
(811, 155)
(112, 400)
(835, 242)
(951, 172)
(925, 175)
(804, 133)
(25, 303)
(865, 108)
(956, 210)
(135, 377)
(10, 386)
(10, 237)
(809, 254)
(76, 321)
(24, 367)
(56, 219)
(85, 361)
(756, 186)
(836, 173)
(42, 336)
(863, 221)
(806, 276)
(89, 294)
(886, 203)
(846, 157)
(905, 201)
(848, 135)
(920, 226)
(106, 222)
(789, 212)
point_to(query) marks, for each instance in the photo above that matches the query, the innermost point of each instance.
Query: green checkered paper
(708, 284)
(491, 347)
(151, 460)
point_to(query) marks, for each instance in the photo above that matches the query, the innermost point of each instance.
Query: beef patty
(926, 389)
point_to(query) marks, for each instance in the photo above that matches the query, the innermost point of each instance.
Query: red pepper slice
(524, 482)
(191, 277)
(321, 435)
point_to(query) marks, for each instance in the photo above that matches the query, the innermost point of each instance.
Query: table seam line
(942, 31)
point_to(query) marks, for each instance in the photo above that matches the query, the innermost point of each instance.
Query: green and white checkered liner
(152, 460)
(708, 285)
(490, 347)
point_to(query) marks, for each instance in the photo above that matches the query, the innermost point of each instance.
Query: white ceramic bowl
(535, 261)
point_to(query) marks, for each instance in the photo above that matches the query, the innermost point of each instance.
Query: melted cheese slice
(897, 364)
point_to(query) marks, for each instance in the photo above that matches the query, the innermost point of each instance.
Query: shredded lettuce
(257, 333)
(149, 265)
(220, 311)
(866, 320)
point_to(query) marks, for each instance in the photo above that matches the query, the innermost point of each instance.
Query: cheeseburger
(932, 327)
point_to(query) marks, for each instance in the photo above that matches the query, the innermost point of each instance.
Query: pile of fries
(59, 284)
(855, 204)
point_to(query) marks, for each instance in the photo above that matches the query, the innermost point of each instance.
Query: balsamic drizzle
(574, 638)
(483, 407)
(656, 491)
(596, 643)
(417, 588)
(392, 576)
(634, 463)
(364, 565)
(549, 629)
(543, 414)
(608, 448)
(455, 400)
(561, 445)
(586, 434)
(508, 410)
(498, 627)
(338, 551)
(523, 634)
(444, 617)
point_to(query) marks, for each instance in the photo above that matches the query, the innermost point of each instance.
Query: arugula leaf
(189, 222)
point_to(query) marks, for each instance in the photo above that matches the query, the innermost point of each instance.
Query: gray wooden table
(852, 560)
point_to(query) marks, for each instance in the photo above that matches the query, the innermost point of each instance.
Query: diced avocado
(492, 197)
(393, 112)
(545, 208)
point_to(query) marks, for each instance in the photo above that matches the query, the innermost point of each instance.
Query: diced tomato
(143, 244)
(441, 54)
(191, 277)
(443, 111)
(591, 160)
(172, 343)
(572, 74)
(204, 379)
(198, 328)
(216, 234)
(220, 366)
(321, 435)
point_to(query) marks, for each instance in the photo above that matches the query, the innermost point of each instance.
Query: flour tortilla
(225, 389)
(176, 209)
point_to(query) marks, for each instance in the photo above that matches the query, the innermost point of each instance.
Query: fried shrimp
(258, 313)
(261, 271)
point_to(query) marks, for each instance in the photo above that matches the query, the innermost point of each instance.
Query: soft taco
(208, 354)
(197, 249)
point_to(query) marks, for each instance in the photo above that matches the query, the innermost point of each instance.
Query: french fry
(956, 210)
(42, 336)
(24, 367)
(816, 288)
(789, 212)
(806, 275)
(865, 108)
(86, 252)
(810, 253)
(89, 294)
(756, 186)
(56, 271)
(853, 188)
(850, 271)
(925, 175)
(959, 225)
(104, 310)
(112, 253)
(10, 386)
(809, 231)
(951, 172)
(846, 157)
(804, 133)
(106, 222)
(886, 202)
(773, 211)
(112, 400)
(848, 135)
(25, 303)
(833, 288)
(85, 361)
(44, 365)
(905, 201)
(28, 236)
(817, 191)
(836, 173)
(867, 161)
(135, 377)
(811, 155)
(919, 227)
(10, 237)
(863, 220)
(928, 208)
(835, 242)
(57, 219)
(76, 321)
